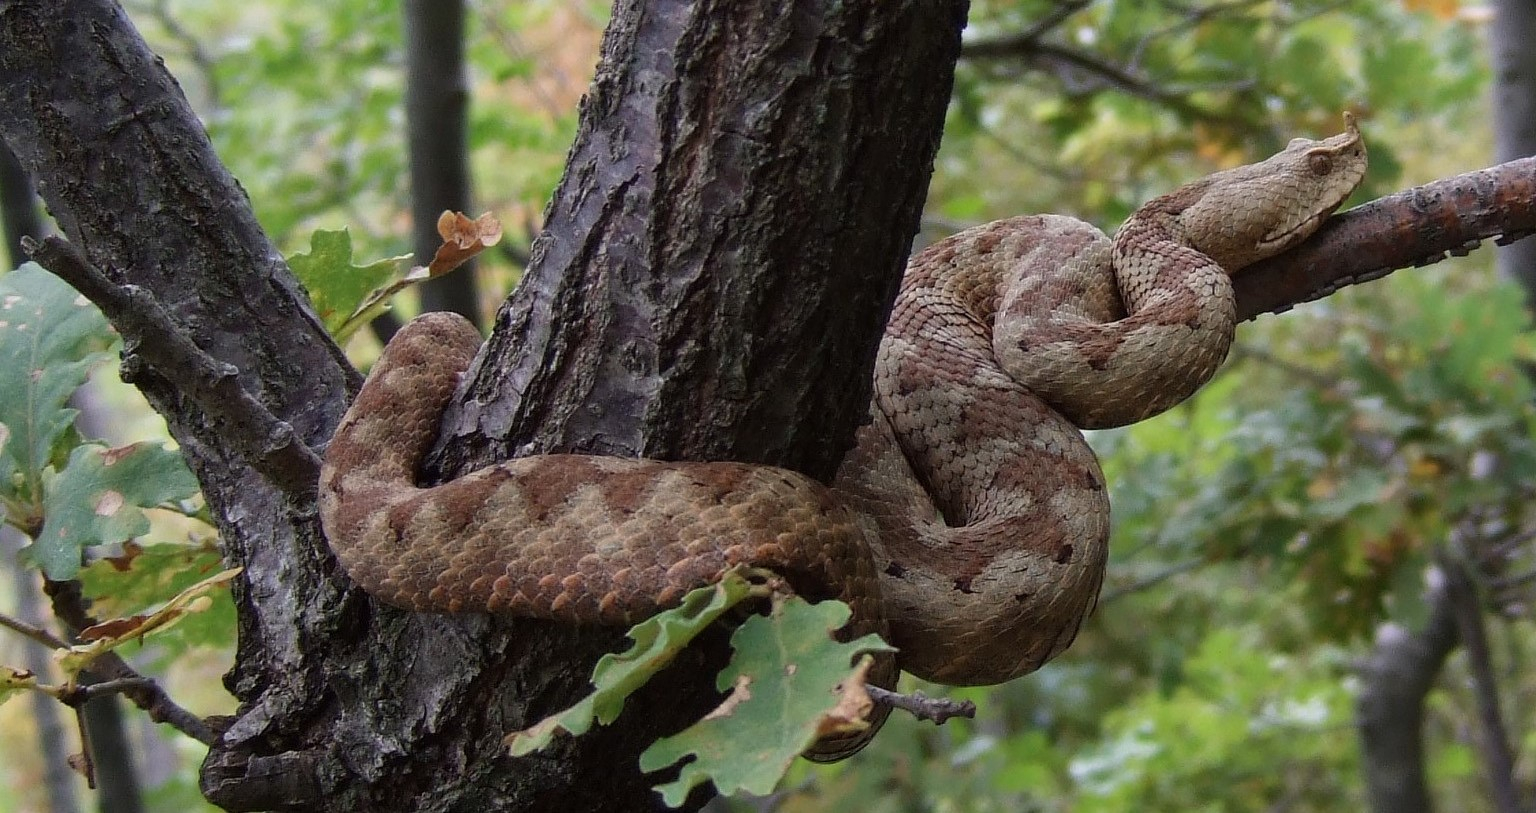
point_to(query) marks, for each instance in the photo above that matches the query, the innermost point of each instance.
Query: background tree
(437, 117)
(1513, 65)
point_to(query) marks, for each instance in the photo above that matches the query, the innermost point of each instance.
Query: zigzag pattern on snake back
(969, 525)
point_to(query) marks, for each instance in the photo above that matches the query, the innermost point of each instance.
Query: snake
(969, 525)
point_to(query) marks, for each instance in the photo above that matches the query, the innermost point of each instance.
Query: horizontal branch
(269, 445)
(1030, 49)
(36, 633)
(923, 707)
(81, 693)
(1415, 227)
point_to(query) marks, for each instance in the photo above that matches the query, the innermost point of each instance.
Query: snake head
(1248, 213)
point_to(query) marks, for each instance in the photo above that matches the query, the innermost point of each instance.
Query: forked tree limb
(1415, 227)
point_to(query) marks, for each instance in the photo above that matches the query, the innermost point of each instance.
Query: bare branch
(80, 694)
(1071, 65)
(1110, 596)
(1312, 378)
(1415, 227)
(150, 336)
(923, 707)
(37, 634)
(1193, 16)
(205, 62)
(1492, 735)
(1053, 18)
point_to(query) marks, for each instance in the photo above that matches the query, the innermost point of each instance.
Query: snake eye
(1320, 163)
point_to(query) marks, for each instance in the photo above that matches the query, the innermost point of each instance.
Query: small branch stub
(923, 707)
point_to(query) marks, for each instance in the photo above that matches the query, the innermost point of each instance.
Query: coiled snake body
(971, 521)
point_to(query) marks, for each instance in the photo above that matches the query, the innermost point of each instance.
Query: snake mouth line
(1281, 240)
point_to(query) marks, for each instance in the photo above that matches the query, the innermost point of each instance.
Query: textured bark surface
(745, 188)
(19, 215)
(709, 284)
(720, 254)
(1411, 228)
(127, 171)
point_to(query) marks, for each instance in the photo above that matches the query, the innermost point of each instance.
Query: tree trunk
(1390, 710)
(437, 122)
(18, 207)
(117, 781)
(1514, 116)
(711, 283)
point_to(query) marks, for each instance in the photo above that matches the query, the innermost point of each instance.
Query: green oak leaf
(656, 641)
(50, 338)
(788, 677)
(347, 296)
(121, 586)
(99, 498)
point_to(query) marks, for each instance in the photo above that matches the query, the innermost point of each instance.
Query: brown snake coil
(972, 517)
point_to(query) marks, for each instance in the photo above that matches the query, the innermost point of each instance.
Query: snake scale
(970, 523)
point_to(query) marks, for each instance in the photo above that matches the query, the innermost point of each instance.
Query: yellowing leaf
(15, 681)
(113, 633)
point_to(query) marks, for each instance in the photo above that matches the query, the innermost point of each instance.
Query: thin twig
(1058, 57)
(69, 606)
(151, 336)
(1313, 378)
(923, 707)
(81, 693)
(1192, 17)
(1493, 736)
(205, 63)
(1053, 18)
(1506, 583)
(1151, 581)
(37, 634)
(83, 761)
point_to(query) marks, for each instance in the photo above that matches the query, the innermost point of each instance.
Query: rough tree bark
(779, 157)
(18, 207)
